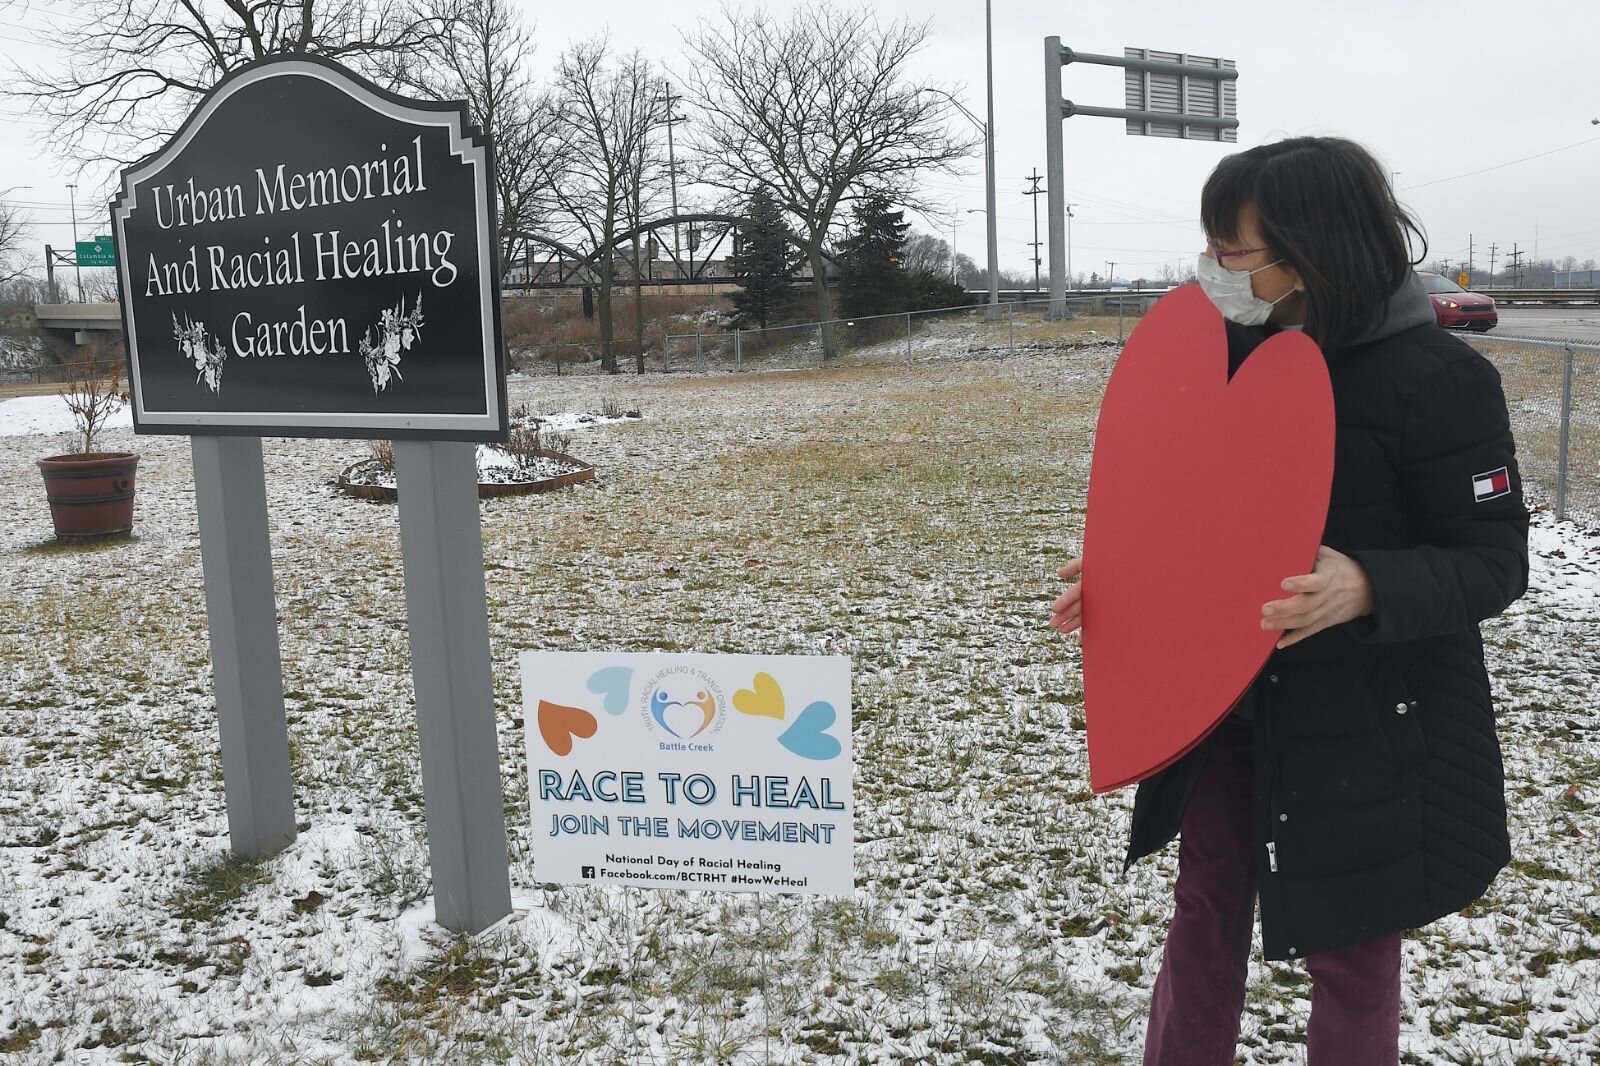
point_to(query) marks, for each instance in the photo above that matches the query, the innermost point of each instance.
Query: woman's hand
(1066, 614)
(1336, 591)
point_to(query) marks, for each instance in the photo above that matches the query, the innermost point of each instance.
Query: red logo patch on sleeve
(1491, 485)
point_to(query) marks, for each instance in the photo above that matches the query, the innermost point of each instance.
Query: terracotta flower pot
(90, 495)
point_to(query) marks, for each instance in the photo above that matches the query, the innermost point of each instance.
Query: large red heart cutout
(1204, 494)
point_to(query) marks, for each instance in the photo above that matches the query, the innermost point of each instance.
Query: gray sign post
(1189, 97)
(441, 546)
(313, 256)
(230, 496)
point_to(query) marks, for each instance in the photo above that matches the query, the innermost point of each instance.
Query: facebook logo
(588, 873)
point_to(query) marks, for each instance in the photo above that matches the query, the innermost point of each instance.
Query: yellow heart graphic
(764, 698)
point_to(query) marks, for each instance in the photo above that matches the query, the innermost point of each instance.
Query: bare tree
(23, 290)
(605, 114)
(818, 111)
(970, 275)
(12, 227)
(100, 286)
(130, 71)
(484, 57)
(925, 253)
(647, 178)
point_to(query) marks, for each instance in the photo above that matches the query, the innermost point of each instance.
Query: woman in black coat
(1356, 789)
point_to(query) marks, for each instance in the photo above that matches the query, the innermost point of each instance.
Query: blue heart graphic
(612, 683)
(808, 736)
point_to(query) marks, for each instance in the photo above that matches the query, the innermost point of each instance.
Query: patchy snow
(909, 517)
(572, 421)
(495, 467)
(44, 415)
(19, 353)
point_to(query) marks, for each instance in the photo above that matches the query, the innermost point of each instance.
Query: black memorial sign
(313, 256)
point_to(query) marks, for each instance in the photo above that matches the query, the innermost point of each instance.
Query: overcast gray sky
(1438, 90)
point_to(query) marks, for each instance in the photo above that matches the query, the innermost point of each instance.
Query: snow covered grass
(1532, 378)
(910, 517)
(32, 416)
(932, 337)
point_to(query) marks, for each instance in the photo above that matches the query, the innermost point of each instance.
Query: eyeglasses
(1222, 257)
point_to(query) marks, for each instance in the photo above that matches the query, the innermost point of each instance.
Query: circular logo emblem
(683, 703)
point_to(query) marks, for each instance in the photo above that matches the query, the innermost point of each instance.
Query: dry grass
(910, 518)
(1532, 378)
(554, 328)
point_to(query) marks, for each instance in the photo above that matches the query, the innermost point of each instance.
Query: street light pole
(978, 211)
(72, 194)
(988, 137)
(1069, 208)
(988, 140)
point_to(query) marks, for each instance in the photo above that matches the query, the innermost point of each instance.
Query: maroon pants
(1200, 991)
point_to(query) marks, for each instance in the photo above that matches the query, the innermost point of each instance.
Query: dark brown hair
(1326, 210)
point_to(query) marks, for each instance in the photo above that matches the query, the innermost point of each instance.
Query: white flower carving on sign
(207, 354)
(398, 329)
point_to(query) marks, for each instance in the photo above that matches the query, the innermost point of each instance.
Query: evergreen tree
(766, 259)
(871, 279)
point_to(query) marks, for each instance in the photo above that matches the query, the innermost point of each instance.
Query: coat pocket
(1400, 712)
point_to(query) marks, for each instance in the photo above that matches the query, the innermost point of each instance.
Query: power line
(1501, 166)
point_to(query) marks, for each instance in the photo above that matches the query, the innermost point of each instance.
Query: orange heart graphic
(558, 725)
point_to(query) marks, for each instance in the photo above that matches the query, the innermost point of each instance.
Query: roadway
(1550, 323)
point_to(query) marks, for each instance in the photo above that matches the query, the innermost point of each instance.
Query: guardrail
(1541, 296)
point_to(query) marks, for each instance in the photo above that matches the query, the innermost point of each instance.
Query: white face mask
(1230, 291)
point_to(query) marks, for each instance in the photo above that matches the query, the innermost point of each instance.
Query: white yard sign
(722, 772)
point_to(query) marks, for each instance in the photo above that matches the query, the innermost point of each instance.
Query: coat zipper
(1272, 787)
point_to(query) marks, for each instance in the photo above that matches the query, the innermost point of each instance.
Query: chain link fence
(1552, 390)
(913, 336)
(1552, 386)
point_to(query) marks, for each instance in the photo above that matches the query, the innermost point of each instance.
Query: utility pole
(1515, 259)
(1492, 249)
(72, 191)
(1444, 267)
(672, 168)
(1111, 265)
(988, 137)
(1469, 258)
(1034, 194)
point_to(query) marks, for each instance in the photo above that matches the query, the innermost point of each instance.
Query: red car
(1456, 308)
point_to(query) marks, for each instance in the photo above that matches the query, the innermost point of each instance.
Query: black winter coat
(1379, 794)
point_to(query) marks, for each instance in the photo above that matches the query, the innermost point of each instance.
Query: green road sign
(99, 252)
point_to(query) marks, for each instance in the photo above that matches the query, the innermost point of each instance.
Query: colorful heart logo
(763, 699)
(808, 737)
(558, 725)
(612, 683)
(1204, 494)
(684, 719)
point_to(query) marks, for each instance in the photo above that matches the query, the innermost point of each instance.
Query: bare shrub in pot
(90, 491)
